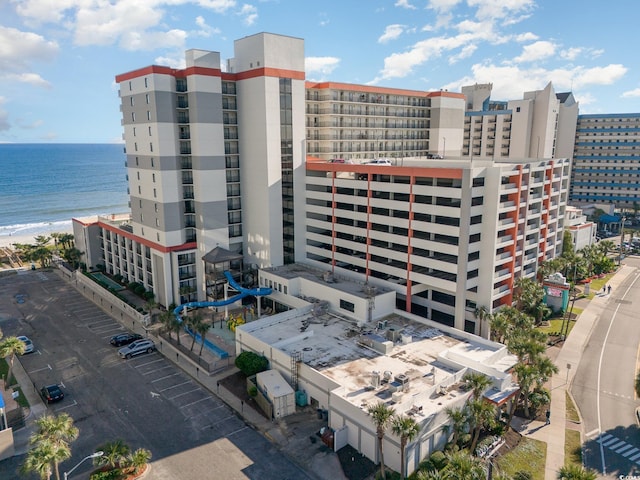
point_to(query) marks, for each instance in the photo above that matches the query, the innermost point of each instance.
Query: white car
(379, 161)
(28, 344)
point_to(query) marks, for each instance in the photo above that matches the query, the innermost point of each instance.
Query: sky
(59, 58)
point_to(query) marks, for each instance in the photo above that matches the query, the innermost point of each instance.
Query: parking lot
(146, 401)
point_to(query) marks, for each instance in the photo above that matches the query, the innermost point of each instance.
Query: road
(603, 386)
(146, 401)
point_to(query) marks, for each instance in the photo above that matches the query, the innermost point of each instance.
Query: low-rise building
(353, 349)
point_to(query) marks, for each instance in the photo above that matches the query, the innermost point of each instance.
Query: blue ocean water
(44, 186)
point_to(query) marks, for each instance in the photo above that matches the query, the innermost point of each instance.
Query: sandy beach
(28, 238)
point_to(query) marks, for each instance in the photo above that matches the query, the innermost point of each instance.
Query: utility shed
(273, 385)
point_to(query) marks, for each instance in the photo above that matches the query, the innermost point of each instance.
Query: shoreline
(8, 240)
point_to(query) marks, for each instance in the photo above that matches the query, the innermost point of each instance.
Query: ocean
(43, 186)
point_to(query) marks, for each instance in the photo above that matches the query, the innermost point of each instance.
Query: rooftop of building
(336, 281)
(413, 365)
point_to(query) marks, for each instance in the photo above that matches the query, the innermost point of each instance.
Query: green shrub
(114, 474)
(251, 363)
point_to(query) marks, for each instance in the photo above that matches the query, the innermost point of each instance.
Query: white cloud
(525, 37)
(465, 52)
(250, 14)
(391, 32)
(536, 51)
(323, 66)
(571, 53)
(29, 78)
(404, 4)
(172, 60)
(204, 30)
(631, 93)
(152, 40)
(510, 81)
(18, 49)
(510, 10)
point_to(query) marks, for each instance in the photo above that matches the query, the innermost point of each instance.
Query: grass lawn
(529, 456)
(555, 324)
(4, 370)
(572, 447)
(572, 411)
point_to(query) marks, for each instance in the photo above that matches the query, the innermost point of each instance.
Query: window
(153, 177)
(154, 193)
(129, 86)
(151, 146)
(134, 131)
(146, 84)
(148, 114)
(131, 100)
(147, 98)
(348, 306)
(133, 116)
(149, 130)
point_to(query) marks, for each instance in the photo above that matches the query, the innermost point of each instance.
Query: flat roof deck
(342, 351)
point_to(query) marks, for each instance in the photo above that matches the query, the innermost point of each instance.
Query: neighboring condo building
(359, 123)
(606, 161)
(449, 236)
(541, 125)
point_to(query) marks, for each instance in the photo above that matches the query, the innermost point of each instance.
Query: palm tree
(8, 348)
(407, 429)
(115, 454)
(39, 460)
(194, 323)
(483, 315)
(202, 330)
(477, 383)
(481, 415)
(382, 415)
(56, 433)
(576, 472)
(459, 418)
(139, 458)
(461, 465)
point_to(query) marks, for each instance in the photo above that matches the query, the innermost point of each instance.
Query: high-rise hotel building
(212, 160)
(606, 161)
(257, 162)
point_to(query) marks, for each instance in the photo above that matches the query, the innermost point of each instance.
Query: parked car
(123, 339)
(434, 155)
(51, 393)
(136, 348)
(379, 161)
(28, 344)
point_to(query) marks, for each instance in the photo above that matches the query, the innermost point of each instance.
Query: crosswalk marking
(620, 447)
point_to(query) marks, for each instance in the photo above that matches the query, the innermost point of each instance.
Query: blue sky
(59, 58)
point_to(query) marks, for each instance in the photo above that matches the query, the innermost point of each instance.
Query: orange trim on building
(270, 72)
(518, 180)
(380, 90)
(451, 173)
(175, 72)
(145, 242)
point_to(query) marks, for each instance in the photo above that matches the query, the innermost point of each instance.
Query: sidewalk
(567, 362)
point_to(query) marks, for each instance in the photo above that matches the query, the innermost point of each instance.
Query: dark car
(124, 339)
(51, 393)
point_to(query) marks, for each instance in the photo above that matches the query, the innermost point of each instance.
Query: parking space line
(185, 393)
(158, 370)
(74, 404)
(165, 377)
(174, 386)
(158, 359)
(212, 425)
(237, 431)
(193, 403)
(48, 367)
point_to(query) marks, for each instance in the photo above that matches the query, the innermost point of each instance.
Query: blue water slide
(243, 292)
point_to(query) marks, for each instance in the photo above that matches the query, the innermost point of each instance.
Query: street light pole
(93, 455)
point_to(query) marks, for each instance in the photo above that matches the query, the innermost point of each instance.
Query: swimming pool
(102, 278)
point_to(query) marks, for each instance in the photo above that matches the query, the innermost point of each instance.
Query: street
(603, 386)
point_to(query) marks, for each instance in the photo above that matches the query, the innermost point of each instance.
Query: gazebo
(216, 262)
